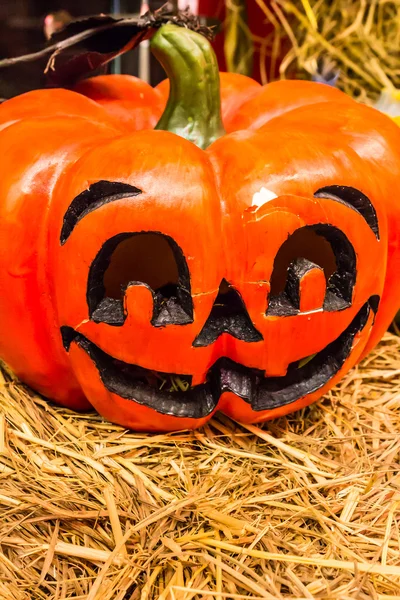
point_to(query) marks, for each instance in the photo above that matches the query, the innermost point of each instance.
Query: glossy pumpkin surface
(160, 282)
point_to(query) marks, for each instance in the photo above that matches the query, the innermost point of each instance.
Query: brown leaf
(86, 45)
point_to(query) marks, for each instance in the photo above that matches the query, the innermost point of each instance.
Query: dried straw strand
(303, 507)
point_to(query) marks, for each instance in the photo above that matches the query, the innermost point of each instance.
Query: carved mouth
(303, 377)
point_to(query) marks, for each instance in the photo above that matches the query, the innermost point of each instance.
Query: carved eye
(147, 258)
(314, 269)
(354, 199)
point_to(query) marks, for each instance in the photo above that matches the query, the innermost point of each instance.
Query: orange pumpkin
(160, 281)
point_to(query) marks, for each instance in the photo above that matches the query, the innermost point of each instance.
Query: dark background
(21, 21)
(22, 32)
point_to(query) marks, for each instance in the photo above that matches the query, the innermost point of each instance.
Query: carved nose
(228, 315)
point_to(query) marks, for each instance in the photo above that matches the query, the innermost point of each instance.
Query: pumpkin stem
(193, 109)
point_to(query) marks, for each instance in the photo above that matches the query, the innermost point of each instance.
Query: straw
(361, 38)
(307, 506)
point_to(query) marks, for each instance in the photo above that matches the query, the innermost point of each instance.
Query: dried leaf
(87, 45)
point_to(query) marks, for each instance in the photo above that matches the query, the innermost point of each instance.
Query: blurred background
(353, 44)
(25, 26)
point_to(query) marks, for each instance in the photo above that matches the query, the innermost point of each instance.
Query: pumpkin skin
(140, 106)
(245, 104)
(77, 183)
(130, 100)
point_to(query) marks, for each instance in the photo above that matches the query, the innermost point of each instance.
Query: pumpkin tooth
(143, 386)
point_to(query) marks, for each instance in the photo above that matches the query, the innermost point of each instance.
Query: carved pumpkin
(161, 281)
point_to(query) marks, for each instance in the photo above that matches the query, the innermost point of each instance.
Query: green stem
(193, 109)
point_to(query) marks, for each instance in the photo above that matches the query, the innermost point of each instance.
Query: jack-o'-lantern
(160, 278)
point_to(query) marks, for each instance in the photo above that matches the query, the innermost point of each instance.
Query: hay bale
(361, 38)
(304, 507)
